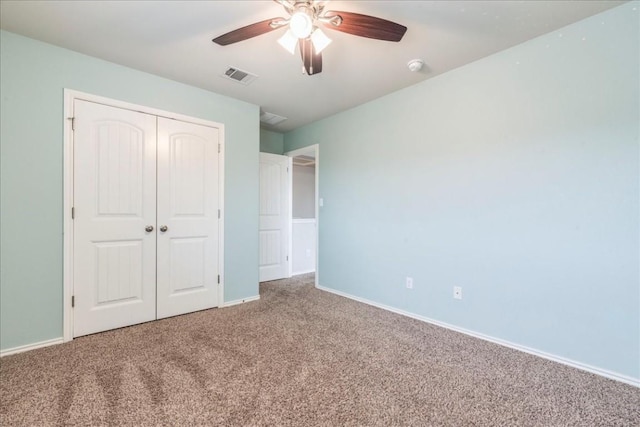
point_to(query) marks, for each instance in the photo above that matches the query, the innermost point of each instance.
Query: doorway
(305, 210)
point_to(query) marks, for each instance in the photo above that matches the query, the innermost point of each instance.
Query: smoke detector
(415, 65)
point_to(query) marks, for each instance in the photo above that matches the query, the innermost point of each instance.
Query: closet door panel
(114, 203)
(187, 206)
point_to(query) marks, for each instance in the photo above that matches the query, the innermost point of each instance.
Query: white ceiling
(173, 39)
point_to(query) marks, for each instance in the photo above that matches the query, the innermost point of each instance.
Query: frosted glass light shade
(320, 40)
(301, 25)
(288, 41)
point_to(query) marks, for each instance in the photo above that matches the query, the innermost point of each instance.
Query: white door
(114, 263)
(275, 216)
(187, 217)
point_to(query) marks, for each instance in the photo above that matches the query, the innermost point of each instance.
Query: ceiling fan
(304, 22)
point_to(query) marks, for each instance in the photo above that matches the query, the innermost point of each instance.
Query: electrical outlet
(409, 282)
(457, 292)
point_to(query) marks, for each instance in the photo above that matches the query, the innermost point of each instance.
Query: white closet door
(187, 217)
(114, 202)
(275, 216)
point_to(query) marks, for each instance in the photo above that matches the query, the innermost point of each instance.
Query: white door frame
(316, 151)
(67, 270)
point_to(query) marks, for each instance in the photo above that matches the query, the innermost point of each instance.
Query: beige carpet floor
(301, 357)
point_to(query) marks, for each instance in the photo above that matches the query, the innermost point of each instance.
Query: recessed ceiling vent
(238, 75)
(271, 119)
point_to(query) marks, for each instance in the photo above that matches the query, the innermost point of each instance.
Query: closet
(145, 217)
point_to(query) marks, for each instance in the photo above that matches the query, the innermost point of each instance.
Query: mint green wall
(32, 78)
(515, 177)
(271, 142)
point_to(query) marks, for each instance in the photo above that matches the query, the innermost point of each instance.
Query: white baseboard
(28, 347)
(240, 301)
(554, 358)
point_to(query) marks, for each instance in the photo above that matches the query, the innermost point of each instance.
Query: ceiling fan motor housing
(301, 22)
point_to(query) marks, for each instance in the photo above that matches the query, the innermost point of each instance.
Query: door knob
(148, 228)
(164, 228)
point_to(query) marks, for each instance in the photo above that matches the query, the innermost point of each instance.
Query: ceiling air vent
(271, 119)
(239, 75)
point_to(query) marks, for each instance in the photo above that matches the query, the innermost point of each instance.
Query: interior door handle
(164, 228)
(148, 228)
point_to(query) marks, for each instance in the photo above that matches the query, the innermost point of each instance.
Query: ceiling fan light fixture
(304, 18)
(301, 24)
(289, 42)
(319, 40)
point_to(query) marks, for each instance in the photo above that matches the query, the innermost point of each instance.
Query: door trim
(67, 264)
(316, 150)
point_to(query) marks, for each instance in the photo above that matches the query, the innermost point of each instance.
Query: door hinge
(73, 301)
(73, 123)
(73, 213)
(218, 279)
(218, 148)
(218, 213)
(287, 257)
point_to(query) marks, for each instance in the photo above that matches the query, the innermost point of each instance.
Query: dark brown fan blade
(366, 26)
(247, 32)
(312, 60)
